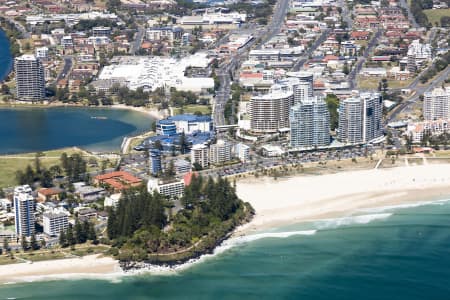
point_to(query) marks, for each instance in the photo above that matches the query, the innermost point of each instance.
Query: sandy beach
(90, 266)
(310, 197)
(156, 114)
(281, 202)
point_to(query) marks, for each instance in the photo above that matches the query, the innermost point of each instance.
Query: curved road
(405, 105)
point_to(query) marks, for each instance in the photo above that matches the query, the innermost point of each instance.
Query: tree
(333, 105)
(46, 178)
(6, 244)
(33, 243)
(5, 89)
(24, 243)
(346, 69)
(183, 143)
(70, 236)
(63, 239)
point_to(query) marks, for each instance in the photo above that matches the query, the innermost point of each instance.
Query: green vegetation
(140, 231)
(417, 9)
(12, 165)
(438, 65)
(232, 104)
(13, 35)
(438, 16)
(74, 168)
(79, 234)
(193, 109)
(333, 105)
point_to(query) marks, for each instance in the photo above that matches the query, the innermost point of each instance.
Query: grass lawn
(398, 84)
(10, 164)
(434, 15)
(368, 83)
(191, 109)
(57, 253)
(372, 83)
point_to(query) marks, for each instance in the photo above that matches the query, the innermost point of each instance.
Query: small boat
(99, 118)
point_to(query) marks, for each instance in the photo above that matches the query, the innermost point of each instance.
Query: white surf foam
(351, 220)
(225, 246)
(407, 205)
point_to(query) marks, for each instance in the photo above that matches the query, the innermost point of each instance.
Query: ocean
(38, 129)
(6, 60)
(392, 253)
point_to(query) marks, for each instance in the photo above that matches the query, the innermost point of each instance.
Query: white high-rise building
(55, 222)
(30, 80)
(310, 123)
(270, 112)
(360, 118)
(24, 211)
(418, 53)
(42, 52)
(220, 152)
(436, 104)
(242, 151)
(199, 154)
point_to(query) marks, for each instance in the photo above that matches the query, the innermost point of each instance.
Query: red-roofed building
(360, 35)
(119, 180)
(49, 194)
(187, 178)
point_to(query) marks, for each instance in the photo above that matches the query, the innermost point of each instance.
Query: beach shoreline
(154, 113)
(278, 203)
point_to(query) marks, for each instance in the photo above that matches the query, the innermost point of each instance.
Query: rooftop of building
(119, 179)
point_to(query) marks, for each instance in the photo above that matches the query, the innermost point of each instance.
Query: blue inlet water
(395, 254)
(38, 129)
(6, 59)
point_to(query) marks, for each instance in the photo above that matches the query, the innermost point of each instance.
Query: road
(357, 69)
(298, 65)
(411, 18)
(65, 70)
(223, 73)
(19, 27)
(346, 17)
(420, 90)
(136, 44)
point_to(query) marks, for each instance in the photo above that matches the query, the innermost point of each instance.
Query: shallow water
(389, 254)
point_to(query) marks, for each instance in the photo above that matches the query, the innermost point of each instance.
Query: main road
(223, 73)
(419, 90)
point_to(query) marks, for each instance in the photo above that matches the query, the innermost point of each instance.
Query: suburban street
(65, 70)
(356, 70)
(136, 44)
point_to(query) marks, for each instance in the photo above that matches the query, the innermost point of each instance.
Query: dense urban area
(239, 88)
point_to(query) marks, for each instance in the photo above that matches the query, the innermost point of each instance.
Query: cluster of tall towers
(292, 104)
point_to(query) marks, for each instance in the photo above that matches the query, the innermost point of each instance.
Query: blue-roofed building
(171, 143)
(189, 123)
(166, 127)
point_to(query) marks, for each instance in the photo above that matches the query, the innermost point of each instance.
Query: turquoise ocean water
(381, 254)
(38, 129)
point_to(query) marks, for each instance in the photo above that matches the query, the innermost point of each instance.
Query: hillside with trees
(141, 230)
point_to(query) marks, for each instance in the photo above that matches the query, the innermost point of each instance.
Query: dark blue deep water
(6, 60)
(38, 129)
(399, 254)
